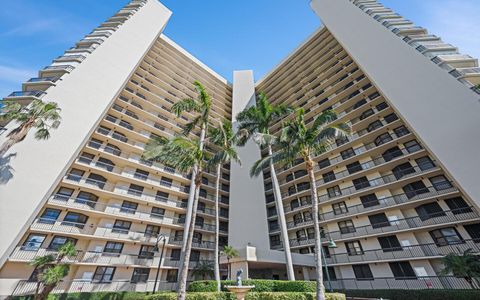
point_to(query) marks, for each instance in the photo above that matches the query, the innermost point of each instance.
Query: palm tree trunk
(281, 218)
(47, 289)
(316, 226)
(228, 269)
(14, 139)
(182, 289)
(191, 196)
(216, 267)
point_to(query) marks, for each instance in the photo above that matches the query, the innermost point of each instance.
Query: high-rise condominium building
(395, 196)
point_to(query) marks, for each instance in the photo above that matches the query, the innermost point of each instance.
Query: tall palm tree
(201, 108)
(229, 252)
(51, 270)
(466, 266)
(39, 115)
(186, 155)
(299, 141)
(224, 139)
(254, 122)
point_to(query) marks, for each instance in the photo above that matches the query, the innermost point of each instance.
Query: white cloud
(36, 26)
(15, 75)
(456, 22)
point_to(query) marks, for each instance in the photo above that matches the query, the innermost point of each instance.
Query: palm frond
(185, 105)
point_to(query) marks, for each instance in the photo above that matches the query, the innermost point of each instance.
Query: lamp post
(331, 245)
(164, 239)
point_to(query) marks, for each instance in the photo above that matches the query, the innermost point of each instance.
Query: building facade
(395, 196)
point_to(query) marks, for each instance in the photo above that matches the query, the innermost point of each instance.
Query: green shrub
(193, 296)
(260, 285)
(431, 294)
(250, 296)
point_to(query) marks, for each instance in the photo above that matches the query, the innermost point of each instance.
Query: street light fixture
(159, 239)
(331, 245)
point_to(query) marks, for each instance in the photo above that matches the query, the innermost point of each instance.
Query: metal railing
(35, 94)
(390, 283)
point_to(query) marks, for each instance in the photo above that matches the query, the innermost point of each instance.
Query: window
(87, 199)
(331, 273)
(59, 241)
(412, 146)
(75, 219)
(402, 170)
(340, 141)
(121, 226)
(75, 174)
(347, 153)
(392, 153)
(165, 181)
(440, 183)
(362, 272)
(381, 106)
(112, 149)
(113, 248)
(415, 188)
(104, 274)
(105, 164)
(63, 194)
(402, 270)
(329, 176)
(161, 196)
(33, 242)
(129, 207)
(294, 204)
(147, 252)
(157, 212)
(324, 163)
(140, 275)
(304, 250)
(271, 211)
(339, 208)
(300, 173)
(369, 200)
(458, 206)
(135, 189)
(275, 240)
(303, 186)
(96, 180)
(374, 125)
(474, 231)
(334, 191)
(390, 243)
(425, 163)
(401, 131)
(446, 236)
(379, 220)
(354, 167)
(141, 174)
(429, 210)
(390, 118)
(354, 248)
(175, 254)
(172, 275)
(366, 114)
(152, 230)
(195, 255)
(382, 139)
(346, 227)
(49, 216)
(361, 183)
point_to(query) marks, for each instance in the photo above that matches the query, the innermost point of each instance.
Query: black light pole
(164, 239)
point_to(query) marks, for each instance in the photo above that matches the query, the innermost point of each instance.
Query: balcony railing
(175, 240)
(66, 68)
(416, 222)
(43, 79)
(417, 283)
(23, 94)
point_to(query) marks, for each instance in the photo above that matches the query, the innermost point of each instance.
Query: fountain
(239, 290)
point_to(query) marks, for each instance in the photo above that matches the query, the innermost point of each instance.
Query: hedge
(249, 296)
(260, 285)
(91, 296)
(431, 294)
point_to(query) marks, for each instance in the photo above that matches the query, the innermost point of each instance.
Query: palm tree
(39, 115)
(203, 269)
(466, 266)
(299, 141)
(51, 270)
(186, 155)
(254, 122)
(224, 139)
(201, 107)
(229, 252)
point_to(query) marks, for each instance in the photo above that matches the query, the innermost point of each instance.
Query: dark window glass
(140, 275)
(121, 226)
(458, 206)
(402, 170)
(324, 163)
(63, 194)
(382, 139)
(161, 196)
(129, 207)
(104, 274)
(49, 216)
(146, 252)
(152, 230)
(135, 189)
(59, 241)
(339, 208)
(402, 270)
(381, 106)
(440, 183)
(334, 191)
(369, 200)
(391, 117)
(429, 210)
(374, 125)
(354, 248)
(141, 174)
(347, 153)
(415, 188)
(379, 220)
(172, 275)
(113, 248)
(361, 183)
(87, 199)
(366, 114)
(331, 273)
(97, 180)
(157, 212)
(412, 146)
(474, 231)
(446, 236)
(425, 163)
(175, 255)
(392, 153)
(329, 176)
(75, 219)
(401, 131)
(346, 227)
(362, 272)
(354, 167)
(390, 243)
(33, 242)
(105, 164)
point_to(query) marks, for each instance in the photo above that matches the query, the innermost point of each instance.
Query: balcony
(57, 71)
(412, 223)
(420, 283)
(25, 96)
(175, 240)
(402, 253)
(69, 58)
(43, 80)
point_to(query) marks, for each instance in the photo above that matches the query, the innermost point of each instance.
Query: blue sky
(226, 35)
